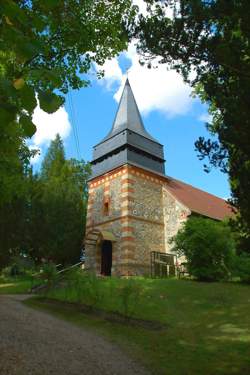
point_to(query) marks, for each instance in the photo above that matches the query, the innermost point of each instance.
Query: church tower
(125, 220)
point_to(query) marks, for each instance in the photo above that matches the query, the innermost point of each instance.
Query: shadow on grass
(208, 344)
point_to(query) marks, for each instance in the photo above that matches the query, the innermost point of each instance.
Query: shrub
(242, 267)
(72, 284)
(6, 272)
(19, 266)
(208, 246)
(49, 273)
(129, 292)
(86, 287)
(93, 290)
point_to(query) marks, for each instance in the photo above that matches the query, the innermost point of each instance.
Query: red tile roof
(199, 201)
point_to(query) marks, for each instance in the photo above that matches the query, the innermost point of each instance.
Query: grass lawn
(206, 325)
(18, 285)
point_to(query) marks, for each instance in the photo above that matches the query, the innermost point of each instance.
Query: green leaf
(49, 4)
(18, 83)
(28, 98)
(51, 75)
(28, 127)
(7, 115)
(50, 102)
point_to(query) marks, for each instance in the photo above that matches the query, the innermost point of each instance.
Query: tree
(54, 159)
(242, 267)
(64, 205)
(13, 219)
(208, 246)
(57, 209)
(12, 226)
(211, 39)
(46, 48)
(14, 161)
(47, 219)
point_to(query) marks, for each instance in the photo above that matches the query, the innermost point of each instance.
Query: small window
(106, 208)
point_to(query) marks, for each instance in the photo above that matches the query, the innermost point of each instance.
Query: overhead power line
(74, 123)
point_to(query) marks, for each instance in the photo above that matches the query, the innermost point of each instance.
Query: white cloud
(205, 117)
(113, 73)
(48, 125)
(154, 89)
(158, 89)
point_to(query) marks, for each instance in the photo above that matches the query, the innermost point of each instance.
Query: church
(134, 208)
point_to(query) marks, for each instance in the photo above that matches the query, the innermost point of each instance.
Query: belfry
(128, 142)
(133, 207)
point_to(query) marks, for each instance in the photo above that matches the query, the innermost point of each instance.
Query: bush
(49, 273)
(20, 266)
(208, 246)
(130, 292)
(6, 272)
(242, 267)
(94, 291)
(86, 287)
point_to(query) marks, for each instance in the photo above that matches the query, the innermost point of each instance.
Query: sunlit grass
(207, 325)
(17, 285)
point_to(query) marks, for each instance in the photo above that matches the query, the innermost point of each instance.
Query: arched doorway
(106, 258)
(99, 251)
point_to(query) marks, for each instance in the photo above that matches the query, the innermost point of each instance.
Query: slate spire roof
(128, 142)
(128, 115)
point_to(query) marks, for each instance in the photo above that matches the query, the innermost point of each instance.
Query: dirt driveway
(35, 343)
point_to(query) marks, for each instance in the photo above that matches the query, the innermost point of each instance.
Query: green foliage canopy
(48, 45)
(47, 220)
(54, 159)
(208, 247)
(46, 48)
(62, 201)
(211, 39)
(242, 267)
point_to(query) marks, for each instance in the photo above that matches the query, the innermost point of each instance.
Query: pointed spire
(128, 115)
(128, 142)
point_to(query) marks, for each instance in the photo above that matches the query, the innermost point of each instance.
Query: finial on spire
(127, 73)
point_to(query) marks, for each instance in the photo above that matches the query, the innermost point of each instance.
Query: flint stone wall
(143, 216)
(175, 215)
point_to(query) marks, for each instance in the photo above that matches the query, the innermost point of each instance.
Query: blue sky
(169, 113)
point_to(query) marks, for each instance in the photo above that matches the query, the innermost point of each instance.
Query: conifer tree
(59, 207)
(54, 159)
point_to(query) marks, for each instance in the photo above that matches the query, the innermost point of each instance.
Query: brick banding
(128, 181)
(127, 190)
(127, 229)
(127, 216)
(127, 238)
(127, 198)
(108, 176)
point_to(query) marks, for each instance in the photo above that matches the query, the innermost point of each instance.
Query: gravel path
(36, 343)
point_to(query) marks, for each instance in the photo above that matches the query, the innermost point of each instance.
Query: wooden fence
(163, 264)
